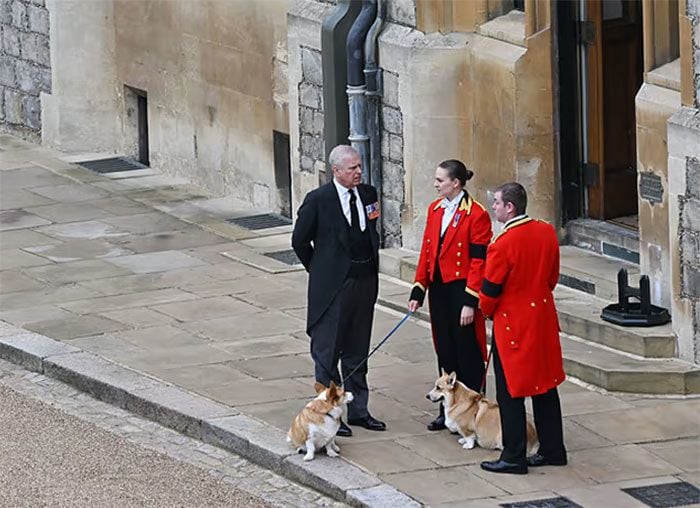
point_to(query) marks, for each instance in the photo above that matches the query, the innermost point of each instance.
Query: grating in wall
(112, 165)
(262, 221)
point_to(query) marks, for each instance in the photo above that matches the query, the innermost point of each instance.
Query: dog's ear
(319, 387)
(442, 370)
(452, 379)
(478, 397)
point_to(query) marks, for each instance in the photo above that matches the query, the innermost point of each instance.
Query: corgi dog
(473, 417)
(315, 426)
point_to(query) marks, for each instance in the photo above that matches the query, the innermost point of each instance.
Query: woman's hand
(467, 316)
(413, 305)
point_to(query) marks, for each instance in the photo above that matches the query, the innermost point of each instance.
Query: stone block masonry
(25, 66)
(311, 150)
(392, 161)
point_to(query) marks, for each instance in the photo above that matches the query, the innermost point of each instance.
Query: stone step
(604, 238)
(592, 362)
(594, 273)
(579, 312)
(618, 372)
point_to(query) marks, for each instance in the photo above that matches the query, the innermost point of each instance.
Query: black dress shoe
(368, 422)
(344, 430)
(537, 460)
(437, 424)
(501, 466)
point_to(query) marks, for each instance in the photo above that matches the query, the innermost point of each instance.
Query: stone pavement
(145, 271)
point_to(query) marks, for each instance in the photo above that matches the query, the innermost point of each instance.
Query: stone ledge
(196, 416)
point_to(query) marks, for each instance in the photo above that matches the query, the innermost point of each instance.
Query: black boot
(439, 422)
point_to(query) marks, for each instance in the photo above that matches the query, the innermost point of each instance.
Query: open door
(614, 75)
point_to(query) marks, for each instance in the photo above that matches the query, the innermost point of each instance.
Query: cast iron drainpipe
(373, 81)
(356, 84)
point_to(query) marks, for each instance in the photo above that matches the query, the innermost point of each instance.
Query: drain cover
(551, 502)
(262, 221)
(285, 256)
(666, 495)
(112, 165)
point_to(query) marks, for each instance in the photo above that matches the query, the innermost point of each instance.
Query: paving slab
(276, 367)
(263, 324)
(68, 212)
(19, 198)
(160, 338)
(20, 219)
(436, 486)
(68, 272)
(682, 453)
(156, 262)
(87, 230)
(139, 318)
(611, 494)
(76, 250)
(28, 315)
(30, 349)
(280, 414)
(119, 206)
(167, 240)
(21, 238)
(578, 437)
(276, 345)
(70, 193)
(138, 283)
(132, 300)
(148, 222)
(74, 326)
(671, 420)
(62, 295)
(386, 456)
(30, 177)
(217, 374)
(206, 308)
(241, 393)
(381, 495)
(11, 281)
(442, 448)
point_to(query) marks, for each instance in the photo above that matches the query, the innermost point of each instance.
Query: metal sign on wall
(651, 188)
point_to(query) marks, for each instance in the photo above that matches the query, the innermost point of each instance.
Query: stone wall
(25, 66)
(393, 172)
(311, 146)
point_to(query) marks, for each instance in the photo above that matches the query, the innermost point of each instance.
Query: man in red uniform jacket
(522, 269)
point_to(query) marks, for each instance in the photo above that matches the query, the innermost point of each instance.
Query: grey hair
(339, 153)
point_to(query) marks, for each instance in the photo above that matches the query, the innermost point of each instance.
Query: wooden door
(614, 77)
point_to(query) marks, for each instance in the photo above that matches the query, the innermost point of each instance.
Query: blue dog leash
(403, 320)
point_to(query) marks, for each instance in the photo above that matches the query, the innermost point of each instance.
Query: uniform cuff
(417, 293)
(471, 298)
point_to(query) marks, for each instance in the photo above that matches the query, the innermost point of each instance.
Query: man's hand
(413, 305)
(467, 316)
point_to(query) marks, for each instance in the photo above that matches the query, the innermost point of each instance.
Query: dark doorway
(615, 74)
(283, 171)
(143, 129)
(597, 105)
(136, 124)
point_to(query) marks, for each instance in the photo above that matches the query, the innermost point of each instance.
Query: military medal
(372, 210)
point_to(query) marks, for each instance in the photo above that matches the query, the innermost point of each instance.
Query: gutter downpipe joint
(373, 80)
(356, 84)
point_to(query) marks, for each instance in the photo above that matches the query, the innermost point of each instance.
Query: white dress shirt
(344, 196)
(450, 207)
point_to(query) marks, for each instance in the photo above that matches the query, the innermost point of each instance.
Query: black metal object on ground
(112, 165)
(642, 313)
(666, 495)
(551, 502)
(285, 256)
(261, 221)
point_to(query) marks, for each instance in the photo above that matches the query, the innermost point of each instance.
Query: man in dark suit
(335, 237)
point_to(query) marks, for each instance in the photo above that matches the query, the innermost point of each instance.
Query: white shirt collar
(447, 203)
(342, 190)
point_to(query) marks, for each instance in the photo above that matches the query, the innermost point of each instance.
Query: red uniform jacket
(522, 268)
(461, 257)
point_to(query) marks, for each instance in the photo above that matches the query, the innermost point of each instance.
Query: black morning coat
(321, 241)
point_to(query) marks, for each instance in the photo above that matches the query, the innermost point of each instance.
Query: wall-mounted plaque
(650, 187)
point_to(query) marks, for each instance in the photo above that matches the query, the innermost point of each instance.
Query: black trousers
(343, 334)
(548, 420)
(456, 346)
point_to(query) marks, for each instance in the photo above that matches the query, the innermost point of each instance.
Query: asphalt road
(50, 458)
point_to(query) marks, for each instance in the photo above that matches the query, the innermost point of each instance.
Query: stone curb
(195, 416)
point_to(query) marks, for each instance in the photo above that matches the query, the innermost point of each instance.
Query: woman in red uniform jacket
(522, 269)
(450, 270)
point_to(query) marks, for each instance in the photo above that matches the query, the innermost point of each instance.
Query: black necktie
(354, 216)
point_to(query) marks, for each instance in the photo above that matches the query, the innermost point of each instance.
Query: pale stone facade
(215, 77)
(25, 65)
